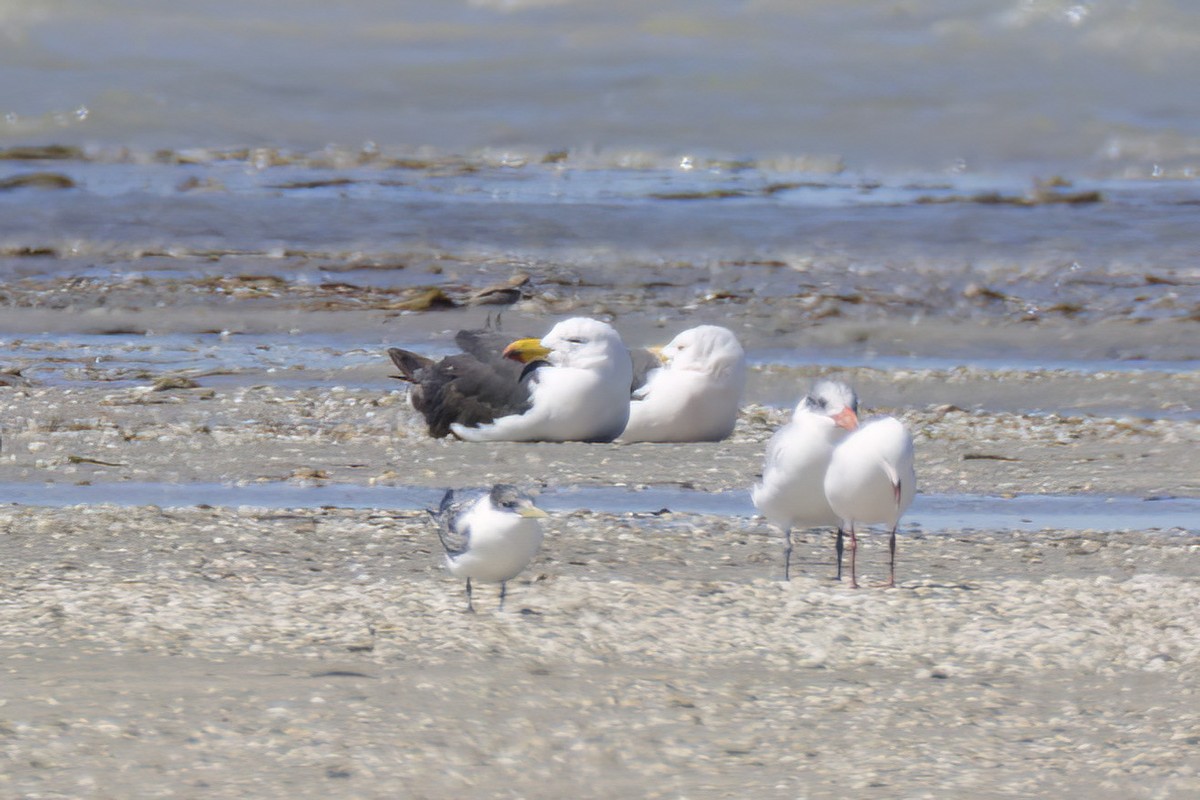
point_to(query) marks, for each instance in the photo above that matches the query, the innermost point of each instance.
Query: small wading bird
(571, 385)
(792, 491)
(871, 479)
(489, 536)
(694, 393)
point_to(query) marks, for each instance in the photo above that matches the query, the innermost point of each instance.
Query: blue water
(996, 86)
(1000, 362)
(929, 512)
(338, 351)
(716, 134)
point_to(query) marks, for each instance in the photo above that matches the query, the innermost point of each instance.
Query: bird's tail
(409, 363)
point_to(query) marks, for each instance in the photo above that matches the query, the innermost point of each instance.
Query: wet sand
(221, 652)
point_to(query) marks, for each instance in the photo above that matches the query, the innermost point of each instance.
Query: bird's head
(576, 342)
(832, 399)
(705, 348)
(508, 498)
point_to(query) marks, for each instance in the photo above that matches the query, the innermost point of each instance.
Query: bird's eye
(575, 339)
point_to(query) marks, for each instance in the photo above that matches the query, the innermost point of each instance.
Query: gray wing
(409, 364)
(451, 517)
(644, 362)
(485, 345)
(472, 388)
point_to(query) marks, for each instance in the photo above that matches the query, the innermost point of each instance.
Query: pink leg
(853, 559)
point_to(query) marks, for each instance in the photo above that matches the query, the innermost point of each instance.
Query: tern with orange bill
(792, 491)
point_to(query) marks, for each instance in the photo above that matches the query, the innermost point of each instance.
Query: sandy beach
(218, 579)
(230, 653)
(221, 652)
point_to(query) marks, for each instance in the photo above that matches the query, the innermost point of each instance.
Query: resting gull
(693, 395)
(571, 385)
(792, 491)
(490, 536)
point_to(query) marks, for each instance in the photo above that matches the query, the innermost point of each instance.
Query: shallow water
(330, 352)
(566, 210)
(887, 153)
(929, 512)
(1021, 86)
(1008, 362)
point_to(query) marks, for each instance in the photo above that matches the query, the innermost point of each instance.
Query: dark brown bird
(504, 293)
(472, 388)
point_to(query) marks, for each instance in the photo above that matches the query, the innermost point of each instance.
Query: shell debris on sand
(272, 652)
(265, 431)
(326, 642)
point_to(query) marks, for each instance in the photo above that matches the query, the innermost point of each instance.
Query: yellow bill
(526, 350)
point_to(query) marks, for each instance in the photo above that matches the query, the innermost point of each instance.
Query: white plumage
(694, 396)
(871, 479)
(580, 394)
(792, 492)
(491, 536)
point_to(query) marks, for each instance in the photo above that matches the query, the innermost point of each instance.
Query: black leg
(470, 605)
(892, 561)
(503, 593)
(787, 554)
(840, 546)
